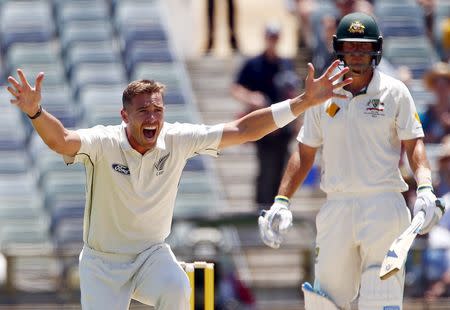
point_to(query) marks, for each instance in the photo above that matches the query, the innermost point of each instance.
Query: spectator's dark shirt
(260, 74)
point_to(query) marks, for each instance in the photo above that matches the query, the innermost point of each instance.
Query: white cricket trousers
(153, 277)
(354, 232)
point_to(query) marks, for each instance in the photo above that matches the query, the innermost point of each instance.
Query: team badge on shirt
(375, 108)
(159, 165)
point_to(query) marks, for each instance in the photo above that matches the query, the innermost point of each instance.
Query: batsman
(360, 136)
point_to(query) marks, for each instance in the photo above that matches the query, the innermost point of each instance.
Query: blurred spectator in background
(305, 10)
(263, 80)
(444, 46)
(232, 293)
(436, 119)
(231, 25)
(309, 13)
(436, 27)
(348, 6)
(323, 53)
(428, 8)
(437, 256)
(443, 186)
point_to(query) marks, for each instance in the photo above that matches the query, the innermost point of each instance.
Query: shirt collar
(160, 142)
(374, 84)
(373, 87)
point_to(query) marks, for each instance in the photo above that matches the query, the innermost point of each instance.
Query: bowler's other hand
(275, 222)
(321, 89)
(26, 97)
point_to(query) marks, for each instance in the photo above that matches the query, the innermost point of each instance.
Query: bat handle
(441, 205)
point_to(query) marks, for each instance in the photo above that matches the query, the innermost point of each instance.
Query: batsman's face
(356, 56)
(144, 117)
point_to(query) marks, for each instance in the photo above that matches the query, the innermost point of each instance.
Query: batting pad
(315, 300)
(377, 294)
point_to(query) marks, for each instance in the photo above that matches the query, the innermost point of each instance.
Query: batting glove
(433, 208)
(273, 224)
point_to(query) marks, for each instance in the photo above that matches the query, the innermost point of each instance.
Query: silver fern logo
(159, 165)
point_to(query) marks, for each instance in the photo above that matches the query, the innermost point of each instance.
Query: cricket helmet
(358, 27)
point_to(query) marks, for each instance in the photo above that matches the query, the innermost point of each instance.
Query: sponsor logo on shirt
(159, 165)
(121, 169)
(375, 108)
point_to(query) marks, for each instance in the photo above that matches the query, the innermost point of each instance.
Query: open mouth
(149, 132)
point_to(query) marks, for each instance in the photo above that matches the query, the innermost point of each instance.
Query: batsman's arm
(261, 122)
(28, 99)
(417, 157)
(298, 167)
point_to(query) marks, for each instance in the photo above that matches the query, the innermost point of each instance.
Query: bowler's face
(144, 117)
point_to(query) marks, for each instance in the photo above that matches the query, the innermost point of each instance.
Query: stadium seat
(195, 164)
(97, 74)
(17, 25)
(108, 95)
(69, 11)
(92, 52)
(413, 52)
(144, 53)
(136, 33)
(15, 213)
(13, 133)
(55, 75)
(103, 115)
(14, 162)
(31, 53)
(135, 12)
(85, 31)
(18, 184)
(60, 103)
(165, 73)
(178, 113)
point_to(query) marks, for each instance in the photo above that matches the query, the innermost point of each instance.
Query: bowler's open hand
(321, 89)
(26, 97)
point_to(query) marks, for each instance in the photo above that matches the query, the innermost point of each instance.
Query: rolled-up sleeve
(408, 123)
(311, 132)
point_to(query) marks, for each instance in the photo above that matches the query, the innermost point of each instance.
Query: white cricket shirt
(361, 137)
(130, 197)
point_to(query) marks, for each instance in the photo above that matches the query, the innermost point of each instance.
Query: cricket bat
(398, 251)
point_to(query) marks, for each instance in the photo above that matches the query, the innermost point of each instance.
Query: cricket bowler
(132, 175)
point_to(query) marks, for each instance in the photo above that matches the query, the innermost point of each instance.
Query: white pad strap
(282, 113)
(315, 300)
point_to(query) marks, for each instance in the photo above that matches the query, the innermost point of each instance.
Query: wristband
(424, 187)
(282, 114)
(282, 199)
(38, 113)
